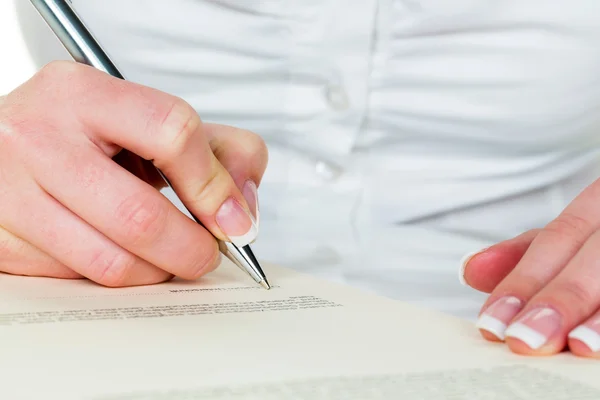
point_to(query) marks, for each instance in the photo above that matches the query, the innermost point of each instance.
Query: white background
(15, 64)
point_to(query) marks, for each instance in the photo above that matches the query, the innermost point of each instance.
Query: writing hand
(69, 210)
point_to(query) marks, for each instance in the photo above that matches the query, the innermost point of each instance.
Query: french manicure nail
(536, 327)
(463, 265)
(588, 334)
(250, 192)
(497, 316)
(236, 223)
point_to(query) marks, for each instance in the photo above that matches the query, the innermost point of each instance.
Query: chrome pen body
(84, 48)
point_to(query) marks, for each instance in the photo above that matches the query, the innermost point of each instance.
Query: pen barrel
(75, 36)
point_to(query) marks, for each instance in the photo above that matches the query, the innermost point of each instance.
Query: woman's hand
(69, 210)
(545, 284)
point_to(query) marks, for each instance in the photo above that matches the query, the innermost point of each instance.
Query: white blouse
(402, 133)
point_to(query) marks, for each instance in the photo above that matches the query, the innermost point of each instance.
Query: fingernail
(536, 327)
(236, 223)
(497, 316)
(463, 265)
(588, 334)
(250, 192)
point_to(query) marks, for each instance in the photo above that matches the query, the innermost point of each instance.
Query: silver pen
(84, 48)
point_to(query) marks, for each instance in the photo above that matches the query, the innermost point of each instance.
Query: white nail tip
(530, 337)
(588, 336)
(491, 325)
(463, 265)
(246, 238)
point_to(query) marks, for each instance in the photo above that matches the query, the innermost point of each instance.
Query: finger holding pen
(173, 136)
(72, 202)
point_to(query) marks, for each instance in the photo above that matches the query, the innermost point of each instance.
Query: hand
(545, 284)
(70, 211)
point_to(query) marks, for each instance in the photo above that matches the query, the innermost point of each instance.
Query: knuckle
(7, 246)
(19, 132)
(143, 218)
(520, 284)
(112, 269)
(571, 227)
(7, 132)
(58, 81)
(576, 295)
(255, 146)
(252, 148)
(204, 261)
(59, 69)
(15, 125)
(178, 125)
(206, 190)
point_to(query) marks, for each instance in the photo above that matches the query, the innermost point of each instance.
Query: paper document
(224, 337)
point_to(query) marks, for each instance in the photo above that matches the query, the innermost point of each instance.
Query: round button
(327, 171)
(337, 97)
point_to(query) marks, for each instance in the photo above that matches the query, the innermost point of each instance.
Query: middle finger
(65, 237)
(130, 212)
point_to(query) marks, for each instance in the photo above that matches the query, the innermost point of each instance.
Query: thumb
(244, 155)
(484, 270)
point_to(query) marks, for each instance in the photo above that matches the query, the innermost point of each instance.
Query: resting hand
(69, 210)
(544, 285)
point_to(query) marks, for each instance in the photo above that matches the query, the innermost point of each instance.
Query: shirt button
(337, 97)
(327, 171)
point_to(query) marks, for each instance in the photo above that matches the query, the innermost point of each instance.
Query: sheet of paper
(224, 337)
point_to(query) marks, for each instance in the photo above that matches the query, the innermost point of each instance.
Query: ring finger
(71, 241)
(131, 213)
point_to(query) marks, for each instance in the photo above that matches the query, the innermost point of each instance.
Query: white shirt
(402, 133)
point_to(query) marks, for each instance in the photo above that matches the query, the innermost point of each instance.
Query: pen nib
(265, 284)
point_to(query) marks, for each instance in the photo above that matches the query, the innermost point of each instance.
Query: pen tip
(265, 284)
